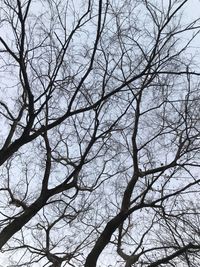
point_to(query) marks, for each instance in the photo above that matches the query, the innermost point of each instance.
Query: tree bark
(104, 239)
(20, 221)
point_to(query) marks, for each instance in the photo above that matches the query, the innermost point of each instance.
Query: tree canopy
(100, 133)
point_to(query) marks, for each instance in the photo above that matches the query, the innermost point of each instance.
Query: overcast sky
(191, 12)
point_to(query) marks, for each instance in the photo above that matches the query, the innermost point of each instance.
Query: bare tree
(100, 142)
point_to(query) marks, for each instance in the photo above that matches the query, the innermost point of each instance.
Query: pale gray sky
(191, 12)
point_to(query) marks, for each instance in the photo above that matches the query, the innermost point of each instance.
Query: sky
(192, 11)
